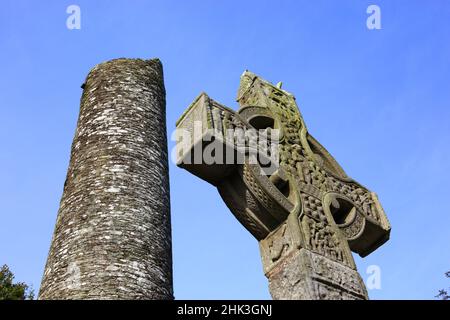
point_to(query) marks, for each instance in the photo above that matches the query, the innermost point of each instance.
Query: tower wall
(112, 238)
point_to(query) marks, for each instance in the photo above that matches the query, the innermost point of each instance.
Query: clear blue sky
(378, 100)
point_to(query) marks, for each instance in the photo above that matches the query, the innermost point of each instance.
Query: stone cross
(307, 215)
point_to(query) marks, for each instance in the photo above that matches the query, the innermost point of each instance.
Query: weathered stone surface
(308, 215)
(112, 238)
(305, 275)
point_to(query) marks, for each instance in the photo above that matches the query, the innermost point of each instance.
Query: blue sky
(378, 100)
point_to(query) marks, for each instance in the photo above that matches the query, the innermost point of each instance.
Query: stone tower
(112, 238)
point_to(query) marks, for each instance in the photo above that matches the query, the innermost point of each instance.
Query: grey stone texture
(307, 215)
(112, 238)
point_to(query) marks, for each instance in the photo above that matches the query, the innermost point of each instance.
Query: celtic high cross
(307, 215)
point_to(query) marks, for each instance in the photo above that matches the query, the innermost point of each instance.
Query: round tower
(112, 238)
